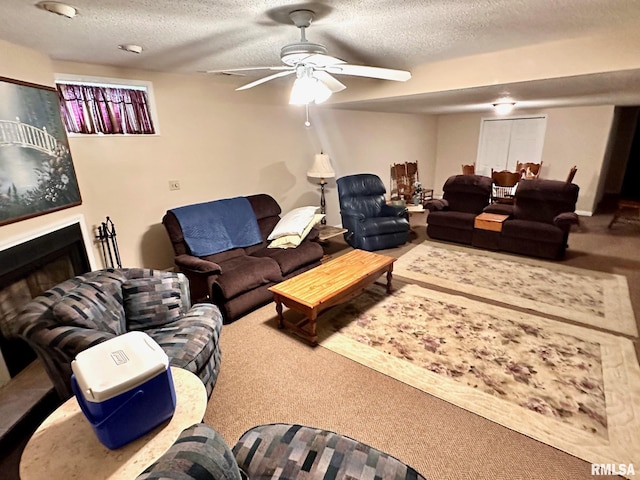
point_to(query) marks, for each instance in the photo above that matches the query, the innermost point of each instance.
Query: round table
(65, 445)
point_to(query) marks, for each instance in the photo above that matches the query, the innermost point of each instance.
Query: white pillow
(293, 223)
(292, 241)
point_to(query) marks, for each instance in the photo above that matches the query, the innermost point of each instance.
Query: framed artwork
(36, 169)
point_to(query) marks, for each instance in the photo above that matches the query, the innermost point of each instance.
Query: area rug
(584, 296)
(571, 387)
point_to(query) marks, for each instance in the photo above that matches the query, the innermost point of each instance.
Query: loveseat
(282, 451)
(537, 223)
(96, 306)
(237, 278)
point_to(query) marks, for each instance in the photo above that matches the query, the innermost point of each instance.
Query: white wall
(574, 136)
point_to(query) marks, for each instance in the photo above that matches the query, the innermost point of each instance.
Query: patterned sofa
(278, 450)
(91, 308)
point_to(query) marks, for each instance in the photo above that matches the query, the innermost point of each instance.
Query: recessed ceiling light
(130, 48)
(58, 8)
(502, 108)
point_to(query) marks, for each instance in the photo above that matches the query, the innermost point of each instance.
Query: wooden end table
(65, 445)
(327, 285)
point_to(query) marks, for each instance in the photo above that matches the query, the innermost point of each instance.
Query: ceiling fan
(314, 68)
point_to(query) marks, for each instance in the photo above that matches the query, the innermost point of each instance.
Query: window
(504, 142)
(105, 107)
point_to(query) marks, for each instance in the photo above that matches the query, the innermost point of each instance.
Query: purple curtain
(94, 109)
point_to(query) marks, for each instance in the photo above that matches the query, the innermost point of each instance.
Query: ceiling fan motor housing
(293, 53)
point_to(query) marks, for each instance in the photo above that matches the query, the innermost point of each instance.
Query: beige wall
(218, 143)
(574, 136)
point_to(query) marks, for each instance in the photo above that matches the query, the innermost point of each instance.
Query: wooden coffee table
(327, 285)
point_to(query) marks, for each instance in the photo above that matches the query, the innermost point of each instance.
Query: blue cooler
(124, 387)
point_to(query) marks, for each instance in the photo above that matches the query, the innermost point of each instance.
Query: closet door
(504, 142)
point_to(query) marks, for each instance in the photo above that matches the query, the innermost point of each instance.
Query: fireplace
(26, 271)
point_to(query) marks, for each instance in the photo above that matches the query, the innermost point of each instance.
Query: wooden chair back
(403, 176)
(529, 170)
(503, 183)
(469, 169)
(572, 173)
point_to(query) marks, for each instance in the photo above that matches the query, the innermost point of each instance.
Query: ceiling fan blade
(331, 82)
(373, 72)
(247, 69)
(266, 79)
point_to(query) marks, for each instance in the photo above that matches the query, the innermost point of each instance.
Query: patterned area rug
(584, 296)
(570, 387)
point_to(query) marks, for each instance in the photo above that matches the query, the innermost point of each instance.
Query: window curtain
(95, 109)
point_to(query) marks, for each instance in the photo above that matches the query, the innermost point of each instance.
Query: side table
(65, 445)
(328, 231)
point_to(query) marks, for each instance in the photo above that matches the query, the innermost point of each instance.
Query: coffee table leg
(279, 311)
(389, 278)
(313, 337)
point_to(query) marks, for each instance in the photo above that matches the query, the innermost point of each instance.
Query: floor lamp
(321, 169)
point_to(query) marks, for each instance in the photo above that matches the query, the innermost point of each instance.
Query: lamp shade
(321, 167)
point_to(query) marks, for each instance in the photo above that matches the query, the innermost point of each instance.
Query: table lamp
(321, 169)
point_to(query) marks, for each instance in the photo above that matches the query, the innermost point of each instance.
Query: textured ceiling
(196, 35)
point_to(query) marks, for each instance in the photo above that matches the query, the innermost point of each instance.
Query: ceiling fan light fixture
(306, 88)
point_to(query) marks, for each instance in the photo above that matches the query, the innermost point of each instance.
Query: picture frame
(37, 175)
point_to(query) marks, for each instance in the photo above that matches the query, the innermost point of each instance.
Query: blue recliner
(371, 224)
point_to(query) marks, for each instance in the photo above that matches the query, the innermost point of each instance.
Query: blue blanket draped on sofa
(220, 225)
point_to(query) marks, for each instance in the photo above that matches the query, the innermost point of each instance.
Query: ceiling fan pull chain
(307, 123)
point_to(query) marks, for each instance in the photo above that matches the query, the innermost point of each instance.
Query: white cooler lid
(118, 365)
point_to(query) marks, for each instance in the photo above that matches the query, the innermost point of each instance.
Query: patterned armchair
(91, 308)
(277, 450)
(371, 224)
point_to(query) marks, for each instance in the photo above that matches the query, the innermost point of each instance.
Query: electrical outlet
(174, 185)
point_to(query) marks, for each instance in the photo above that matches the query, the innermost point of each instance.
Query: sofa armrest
(393, 211)
(436, 205)
(200, 451)
(564, 220)
(197, 265)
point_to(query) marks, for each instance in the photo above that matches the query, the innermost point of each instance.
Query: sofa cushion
(290, 260)
(240, 274)
(382, 226)
(528, 230)
(450, 219)
(152, 301)
(294, 222)
(292, 241)
(306, 452)
(93, 305)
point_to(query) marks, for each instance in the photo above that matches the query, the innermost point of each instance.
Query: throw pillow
(152, 302)
(91, 305)
(293, 223)
(292, 241)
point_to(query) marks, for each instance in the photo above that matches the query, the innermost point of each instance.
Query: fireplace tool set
(109, 243)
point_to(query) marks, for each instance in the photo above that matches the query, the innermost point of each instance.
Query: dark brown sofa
(539, 222)
(237, 280)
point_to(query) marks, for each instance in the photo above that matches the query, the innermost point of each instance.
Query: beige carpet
(543, 378)
(592, 298)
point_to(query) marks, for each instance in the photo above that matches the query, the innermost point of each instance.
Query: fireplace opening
(26, 271)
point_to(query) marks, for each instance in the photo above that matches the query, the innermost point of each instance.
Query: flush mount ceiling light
(58, 8)
(131, 48)
(502, 108)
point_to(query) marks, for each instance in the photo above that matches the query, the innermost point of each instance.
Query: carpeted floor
(269, 375)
